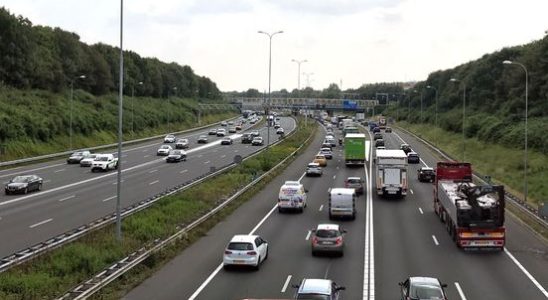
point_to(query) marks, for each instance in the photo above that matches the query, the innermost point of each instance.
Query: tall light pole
(133, 100)
(463, 116)
(409, 105)
(270, 35)
(299, 62)
(422, 96)
(168, 110)
(509, 62)
(71, 96)
(120, 123)
(436, 97)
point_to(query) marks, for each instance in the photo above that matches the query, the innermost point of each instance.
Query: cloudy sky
(348, 41)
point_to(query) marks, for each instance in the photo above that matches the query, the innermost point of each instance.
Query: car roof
(243, 238)
(316, 286)
(353, 178)
(412, 153)
(328, 227)
(320, 155)
(292, 182)
(342, 191)
(424, 280)
(427, 169)
(326, 149)
(313, 164)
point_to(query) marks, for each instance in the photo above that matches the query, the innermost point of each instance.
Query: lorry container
(382, 122)
(391, 172)
(360, 116)
(473, 214)
(354, 149)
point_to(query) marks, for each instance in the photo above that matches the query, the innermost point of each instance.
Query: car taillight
(251, 253)
(228, 252)
(338, 241)
(346, 184)
(314, 240)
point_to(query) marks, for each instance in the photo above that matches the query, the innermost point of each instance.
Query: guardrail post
(543, 209)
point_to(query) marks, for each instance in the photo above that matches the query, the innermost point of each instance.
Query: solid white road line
(308, 235)
(66, 198)
(435, 240)
(300, 178)
(420, 209)
(263, 220)
(183, 171)
(154, 182)
(321, 207)
(334, 176)
(40, 223)
(286, 284)
(148, 155)
(47, 181)
(411, 190)
(206, 162)
(155, 170)
(522, 268)
(223, 156)
(109, 198)
(459, 289)
(57, 171)
(145, 150)
(28, 171)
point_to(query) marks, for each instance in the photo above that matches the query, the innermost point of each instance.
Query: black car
(388, 130)
(413, 158)
(23, 184)
(377, 136)
(422, 288)
(247, 138)
(406, 148)
(376, 129)
(425, 174)
(226, 141)
(202, 139)
(379, 142)
(176, 156)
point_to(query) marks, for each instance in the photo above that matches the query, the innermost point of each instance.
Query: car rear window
(354, 180)
(313, 297)
(322, 233)
(240, 246)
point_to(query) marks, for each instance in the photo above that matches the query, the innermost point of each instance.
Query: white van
(292, 196)
(342, 203)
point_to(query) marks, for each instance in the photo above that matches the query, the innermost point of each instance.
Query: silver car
(328, 238)
(314, 169)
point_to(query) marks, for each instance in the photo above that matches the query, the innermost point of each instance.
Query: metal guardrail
(518, 203)
(94, 284)
(73, 234)
(65, 153)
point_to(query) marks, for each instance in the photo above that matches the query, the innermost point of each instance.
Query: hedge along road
(75, 196)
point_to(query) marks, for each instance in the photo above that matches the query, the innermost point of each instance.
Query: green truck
(354, 149)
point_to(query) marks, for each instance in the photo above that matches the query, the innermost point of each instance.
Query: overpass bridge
(305, 103)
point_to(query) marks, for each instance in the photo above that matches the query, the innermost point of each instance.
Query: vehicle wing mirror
(295, 286)
(444, 285)
(305, 190)
(341, 288)
(400, 283)
(343, 231)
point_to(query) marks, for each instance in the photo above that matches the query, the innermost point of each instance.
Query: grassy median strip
(56, 272)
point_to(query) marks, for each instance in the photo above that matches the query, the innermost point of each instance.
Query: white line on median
(183, 171)
(66, 198)
(308, 235)
(321, 207)
(109, 198)
(286, 284)
(155, 170)
(206, 162)
(461, 294)
(40, 223)
(57, 171)
(411, 190)
(435, 240)
(148, 155)
(154, 182)
(535, 282)
(28, 171)
(420, 209)
(334, 176)
(300, 178)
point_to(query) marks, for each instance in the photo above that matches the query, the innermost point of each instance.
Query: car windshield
(164, 147)
(426, 292)
(176, 152)
(240, 246)
(20, 179)
(102, 158)
(313, 296)
(77, 154)
(327, 233)
(353, 180)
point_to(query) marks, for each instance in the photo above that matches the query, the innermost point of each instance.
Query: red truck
(473, 214)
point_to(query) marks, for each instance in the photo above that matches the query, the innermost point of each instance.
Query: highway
(72, 196)
(407, 240)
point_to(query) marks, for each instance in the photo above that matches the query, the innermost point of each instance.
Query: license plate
(327, 243)
(392, 192)
(239, 261)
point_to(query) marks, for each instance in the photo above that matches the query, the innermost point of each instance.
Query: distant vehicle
(413, 158)
(406, 148)
(280, 130)
(331, 141)
(314, 169)
(226, 141)
(77, 156)
(327, 238)
(105, 162)
(372, 125)
(181, 144)
(247, 138)
(86, 162)
(320, 159)
(23, 184)
(230, 122)
(379, 143)
(221, 132)
(257, 141)
(224, 123)
(323, 289)
(238, 127)
(380, 148)
(212, 131)
(355, 183)
(354, 149)
(342, 203)
(426, 174)
(277, 125)
(377, 136)
(382, 122)
(292, 196)
(327, 153)
(326, 145)
(170, 138)
(255, 133)
(176, 156)
(202, 139)
(253, 121)
(245, 250)
(376, 129)
(391, 173)
(388, 130)
(164, 150)
(422, 288)
(232, 129)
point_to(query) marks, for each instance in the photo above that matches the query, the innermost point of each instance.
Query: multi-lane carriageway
(73, 196)
(388, 241)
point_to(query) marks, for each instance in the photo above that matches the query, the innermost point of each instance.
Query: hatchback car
(406, 148)
(322, 289)
(245, 250)
(202, 139)
(419, 288)
(314, 169)
(221, 132)
(426, 174)
(326, 152)
(379, 143)
(247, 138)
(23, 184)
(321, 160)
(164, 150)
(181, 144)
(170, 138)
(232, 129)
(176, 156)
(327, 238)
(86, 162)
(413, 158)
(77, 156)
(280, 131)
(212, 131)
(257, 141)
(255, 133)
(226, 141)
(388, 130)
(355, 183)
(377, 136)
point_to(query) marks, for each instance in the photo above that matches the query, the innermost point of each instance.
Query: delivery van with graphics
(292, 196)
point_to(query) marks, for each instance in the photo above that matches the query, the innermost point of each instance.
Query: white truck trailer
(391, 173)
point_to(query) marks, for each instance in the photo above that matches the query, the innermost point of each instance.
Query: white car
(164, 150)
(257, 141)
(314, 169)
(280, 131)
(104, 162)
(245, 250)
(221, 132)
(86, 162)
(170, 138)
(181, 144)
(327, 153)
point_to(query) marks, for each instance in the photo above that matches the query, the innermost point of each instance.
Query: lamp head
(453, 80)
(507, 62)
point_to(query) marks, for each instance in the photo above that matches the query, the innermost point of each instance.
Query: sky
(347, 42)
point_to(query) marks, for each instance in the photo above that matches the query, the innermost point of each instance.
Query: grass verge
(54, 273)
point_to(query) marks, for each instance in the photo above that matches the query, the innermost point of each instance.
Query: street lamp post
(409, 105)
(132, 100)
(168, 110)
(463, 116)
(525, 159)
(436, 96)
(299, 62)
(71, 96)
(270, 35)
(422, 96)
